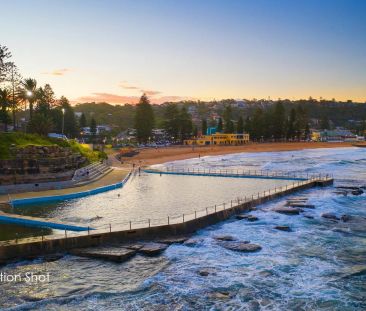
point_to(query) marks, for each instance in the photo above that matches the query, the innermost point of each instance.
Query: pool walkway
(39, 222)
(185, 224)
(114, 177)
(258, 174)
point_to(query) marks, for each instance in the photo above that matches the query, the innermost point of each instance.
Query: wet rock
(287, 210)
(224, 238)
(283, 228)
(52, 257)
(203, 273)
(220, 295)
(153, 249)
(348, 187)
(133, 246)
(247, 217)
(330, 216)
(357, 192)
(308, 216)
(192, 242)
(244, 246)
(346, 218)
(302, 205)
(105, 253)
(174, 240)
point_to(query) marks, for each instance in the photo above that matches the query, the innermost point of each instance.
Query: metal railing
(240, 173)
(180, 218)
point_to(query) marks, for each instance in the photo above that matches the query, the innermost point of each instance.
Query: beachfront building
(219, 139)
(337, 135)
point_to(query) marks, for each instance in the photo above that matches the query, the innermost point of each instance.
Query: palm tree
(5, 103)
(28, 92)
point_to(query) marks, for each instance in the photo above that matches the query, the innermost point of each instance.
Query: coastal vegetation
(22, 140)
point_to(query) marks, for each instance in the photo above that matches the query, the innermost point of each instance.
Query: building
(337, 135)
(219, 139)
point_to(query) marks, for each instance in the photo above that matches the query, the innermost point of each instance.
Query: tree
(291, 131)
(70, 123)
(204, 126)
(15, 79)
(93, 129)
(82, 120)
(40, 124)
(4, 64)
(278, 121)
(172, 120)
(219, 126)
(324, 123)
(186, 125)
(144, 119)
(240, 126)
(29, 93)
(229, 125)
(5, 101)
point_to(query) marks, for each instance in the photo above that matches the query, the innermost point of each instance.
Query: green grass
(22, 140)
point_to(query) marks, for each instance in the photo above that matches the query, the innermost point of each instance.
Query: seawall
(29, 248)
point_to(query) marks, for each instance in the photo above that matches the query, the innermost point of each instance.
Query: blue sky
(115, 50)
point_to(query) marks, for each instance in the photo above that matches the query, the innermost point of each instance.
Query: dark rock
(241, 246)
(52, 257)
(283, 228)
(224, 238)
(330, 216)
(133, 246)
(302, 205)
(247, 217)
(346, 218)
(287, 210)
(174, 240)
(106, 253)
(348, 187)
(192, 242)
(220, 295)
(203, 273)
(357, 192)
(153, 249)
(308, 216)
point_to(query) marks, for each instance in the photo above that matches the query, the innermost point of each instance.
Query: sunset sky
(114, 50)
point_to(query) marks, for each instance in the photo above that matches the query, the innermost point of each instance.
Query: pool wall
(69, 196)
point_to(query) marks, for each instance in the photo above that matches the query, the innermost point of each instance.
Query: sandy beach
(161, 155)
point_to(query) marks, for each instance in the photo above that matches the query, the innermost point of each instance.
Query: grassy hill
(21, 140)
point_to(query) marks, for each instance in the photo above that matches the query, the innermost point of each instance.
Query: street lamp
(63, 120)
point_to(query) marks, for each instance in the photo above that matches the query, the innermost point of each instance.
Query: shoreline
(152, 156)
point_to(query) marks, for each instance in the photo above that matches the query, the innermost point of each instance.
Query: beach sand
(151, 156)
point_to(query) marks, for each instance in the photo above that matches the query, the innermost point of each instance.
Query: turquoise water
(320, 265)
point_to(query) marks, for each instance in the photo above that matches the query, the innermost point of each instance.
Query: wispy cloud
(127, 86)
(57, 72)
(150, 92)
(121, 99)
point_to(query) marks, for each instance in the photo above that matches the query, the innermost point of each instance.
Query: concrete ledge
(55, 198)
(24, 249)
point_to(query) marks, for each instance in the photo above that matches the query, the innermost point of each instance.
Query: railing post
(195, 214)
(149, 222)
(183, 217)
(224, 205)
(231, 203)
(88, 232)
(206, 211)
(215, 208)
(130, 225)
(168, 220)
(65, 234)
(110, 228)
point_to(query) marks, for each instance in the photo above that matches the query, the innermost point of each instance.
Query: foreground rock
(238, 246)
(302, 205)
(192, 242)
(283, 228)
(330, 216)
(111, 254)
(174, 240)
(287, 210)
(153, 249)
(247, 217)
(224, 238)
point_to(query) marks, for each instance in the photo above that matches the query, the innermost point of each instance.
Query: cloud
(120, 99)
(109, 98)
(57, 72)
(126, 86)
(150, 92)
